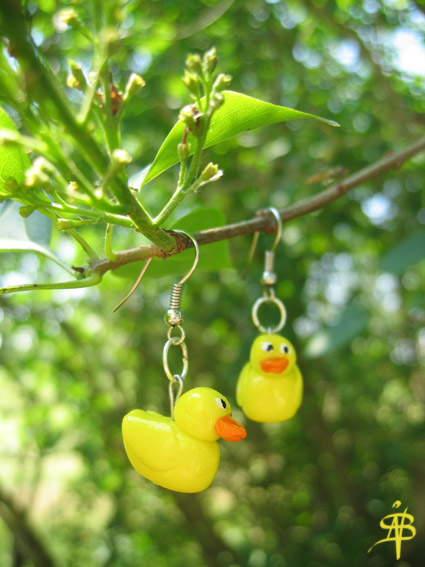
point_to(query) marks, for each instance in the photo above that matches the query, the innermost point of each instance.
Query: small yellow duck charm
(270, 386)
(181, 455)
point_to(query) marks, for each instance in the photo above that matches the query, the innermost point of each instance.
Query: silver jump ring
(175, 342)
(282, 311)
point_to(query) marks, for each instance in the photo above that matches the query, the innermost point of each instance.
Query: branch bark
(26, 540)
(264, 220)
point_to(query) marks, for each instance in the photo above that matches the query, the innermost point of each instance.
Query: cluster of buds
(198, 78)
(207, 93)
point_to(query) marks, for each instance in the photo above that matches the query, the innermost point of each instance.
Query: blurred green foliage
(309, 492)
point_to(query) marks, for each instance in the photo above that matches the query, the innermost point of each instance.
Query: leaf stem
(191, 183)
(91, 280)
(108, 243)
(83, 243)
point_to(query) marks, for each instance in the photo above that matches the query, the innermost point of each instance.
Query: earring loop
(282, 311)
(185, 359)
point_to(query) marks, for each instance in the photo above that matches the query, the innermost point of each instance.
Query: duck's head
(272, 354)
(205, 414)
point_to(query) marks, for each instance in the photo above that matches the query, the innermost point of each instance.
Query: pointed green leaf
(13, 159)
(407, 252)
(15, 235)
(212, 257)
(238, 114)
(11, 245)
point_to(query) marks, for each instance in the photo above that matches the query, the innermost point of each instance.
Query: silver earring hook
(276, 215)
(174, 318)
(195, 262)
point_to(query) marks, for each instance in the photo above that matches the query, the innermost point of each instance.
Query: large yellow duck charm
(270, 386)
(181, 454)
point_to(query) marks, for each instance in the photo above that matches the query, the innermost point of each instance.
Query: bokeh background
(306, 493)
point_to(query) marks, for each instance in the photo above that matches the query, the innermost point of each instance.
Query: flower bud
(222, 81)
(211, 172)
(72, 187)
(194, 63)
(217, 101)
(188, 115)
(76, 79)
(191, 81)
(135, 82)
(183, 151)
(210, 61)
(36, 175)
(72, 82)
(121, 157)
(26, 210)
(68, 17)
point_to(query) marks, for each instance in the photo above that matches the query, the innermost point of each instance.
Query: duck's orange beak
(274, 365)
(230, 429)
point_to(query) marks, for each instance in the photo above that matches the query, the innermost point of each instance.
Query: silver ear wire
(174, 318)
(268, 281)
(174, 315)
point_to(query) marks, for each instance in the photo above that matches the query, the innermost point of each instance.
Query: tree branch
(26, 540)
(264, 220)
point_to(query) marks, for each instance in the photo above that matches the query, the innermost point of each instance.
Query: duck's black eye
(221, 403)
(285, 349)
(267, 347)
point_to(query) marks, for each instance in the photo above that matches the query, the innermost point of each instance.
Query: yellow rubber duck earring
(180, 452)
(270, 386)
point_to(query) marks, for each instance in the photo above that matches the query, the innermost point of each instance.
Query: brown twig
(264, 220)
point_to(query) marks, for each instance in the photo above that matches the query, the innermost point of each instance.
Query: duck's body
(171, 458)
(181, 455)
(270, 385)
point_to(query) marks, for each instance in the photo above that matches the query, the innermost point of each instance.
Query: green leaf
(39, 228)
(11, 245)
(352, 322)
(13, 159)
(212, 257)
(407, 252)
(238, 114)
(15, 236)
